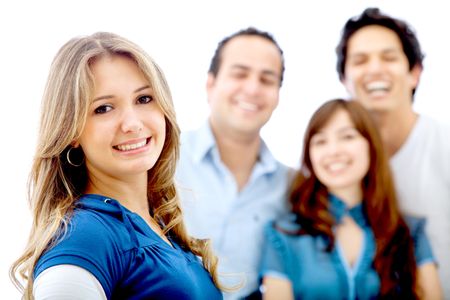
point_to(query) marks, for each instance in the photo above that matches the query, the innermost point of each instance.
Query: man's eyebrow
(265, 72)
(386, 50)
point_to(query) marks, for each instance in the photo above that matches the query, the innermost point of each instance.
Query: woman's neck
(130, 192)
(350, 196)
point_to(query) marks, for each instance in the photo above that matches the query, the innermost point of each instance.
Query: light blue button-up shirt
(234, 220)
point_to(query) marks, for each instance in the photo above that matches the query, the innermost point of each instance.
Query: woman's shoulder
(90, 241)
(86, 232)
(422, 247)
(288, 240)
(90, 225)
(284, 226)
(416, 225)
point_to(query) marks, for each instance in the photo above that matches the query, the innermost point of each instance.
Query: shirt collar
(204, 142)
(339, 209)
(205, 145)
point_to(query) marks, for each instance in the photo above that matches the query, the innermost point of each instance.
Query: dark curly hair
(373, 16)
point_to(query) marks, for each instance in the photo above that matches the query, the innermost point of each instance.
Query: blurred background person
(379, 61)
(231, 184)
(345, 237)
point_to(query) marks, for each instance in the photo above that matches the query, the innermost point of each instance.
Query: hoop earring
(69, 161)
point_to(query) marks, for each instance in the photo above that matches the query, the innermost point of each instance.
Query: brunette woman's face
(340, 154)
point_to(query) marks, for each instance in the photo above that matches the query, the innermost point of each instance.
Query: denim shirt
(318, 274)
(234, 220)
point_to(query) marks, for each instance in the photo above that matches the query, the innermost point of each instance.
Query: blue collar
(339, 209)
(204, 143)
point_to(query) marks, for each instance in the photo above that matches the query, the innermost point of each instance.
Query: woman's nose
(131, 121)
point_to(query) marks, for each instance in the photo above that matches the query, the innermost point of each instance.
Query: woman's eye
(102, 109)
(349, 136)
(145, 99)
(317, 141)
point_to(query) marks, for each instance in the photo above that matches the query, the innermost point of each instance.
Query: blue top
(317, 274)
(126, 256)
(214, 208)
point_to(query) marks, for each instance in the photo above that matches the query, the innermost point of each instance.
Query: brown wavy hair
(54, 185)
(394, 259)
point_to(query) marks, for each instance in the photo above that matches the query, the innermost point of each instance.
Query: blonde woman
(106, 215)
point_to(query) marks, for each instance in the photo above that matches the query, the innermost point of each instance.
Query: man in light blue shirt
(229, 182)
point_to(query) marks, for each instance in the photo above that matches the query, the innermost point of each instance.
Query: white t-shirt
(421, 170)
(67, 282)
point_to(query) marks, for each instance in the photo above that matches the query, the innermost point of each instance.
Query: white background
(182, 36)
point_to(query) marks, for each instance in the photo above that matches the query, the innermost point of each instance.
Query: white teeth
(337, 166)
(128, 147)
(247, 106)
(377, 86)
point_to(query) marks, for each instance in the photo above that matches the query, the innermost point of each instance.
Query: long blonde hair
(54, 185)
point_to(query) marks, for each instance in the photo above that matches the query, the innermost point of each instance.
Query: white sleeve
(67, 282)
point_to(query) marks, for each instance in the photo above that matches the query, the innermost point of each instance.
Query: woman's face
(340, 155)
(125, 127)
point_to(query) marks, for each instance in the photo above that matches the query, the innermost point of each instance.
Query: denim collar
(339, 209)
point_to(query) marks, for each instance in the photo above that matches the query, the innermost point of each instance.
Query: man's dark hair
(373, 16)
(250, 31)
